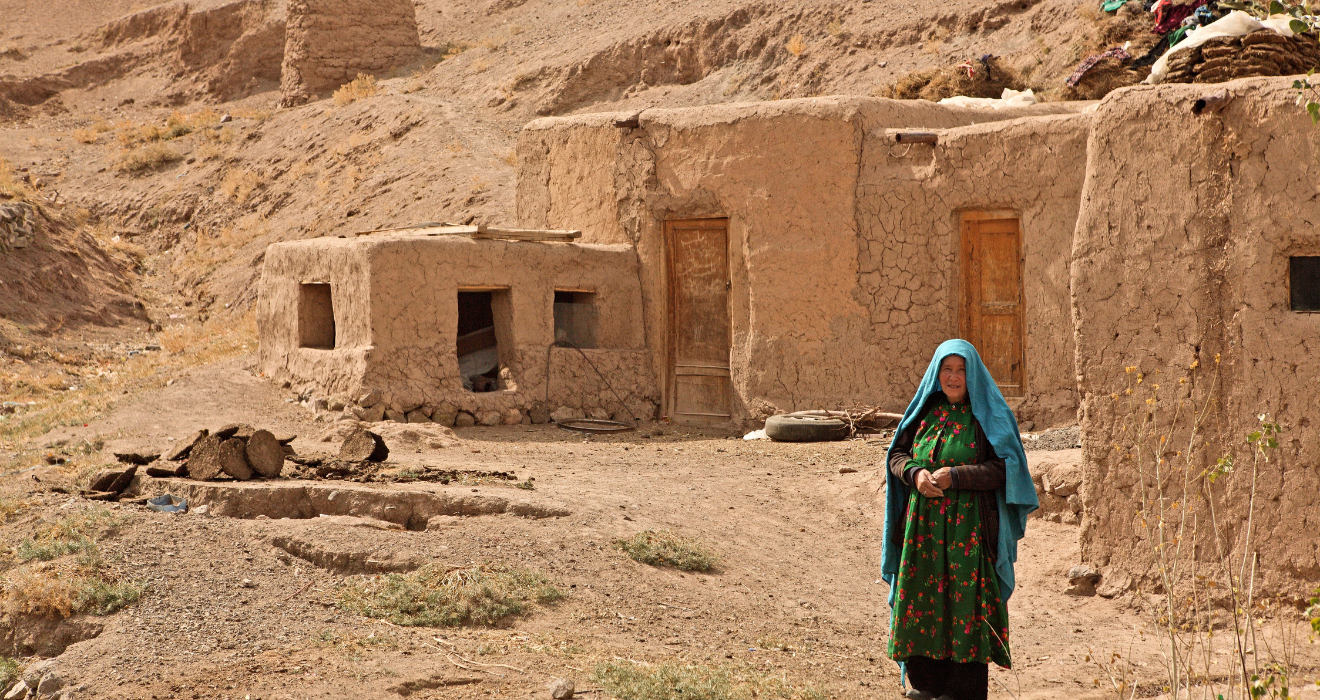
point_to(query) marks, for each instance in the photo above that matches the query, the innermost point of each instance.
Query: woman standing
(958, 496)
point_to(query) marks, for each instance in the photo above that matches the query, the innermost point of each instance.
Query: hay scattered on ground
(988, 79)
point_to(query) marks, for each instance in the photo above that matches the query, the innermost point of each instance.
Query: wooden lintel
(483, 232)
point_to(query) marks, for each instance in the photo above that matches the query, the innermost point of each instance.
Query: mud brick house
(735, 262)
(793, 256)
(741, 260)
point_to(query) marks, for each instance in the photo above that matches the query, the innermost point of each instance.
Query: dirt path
(230, 613)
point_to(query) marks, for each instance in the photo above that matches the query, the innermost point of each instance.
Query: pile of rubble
(1260, 53)
(16, 219)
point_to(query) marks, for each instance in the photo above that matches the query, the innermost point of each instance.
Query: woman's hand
(926, 485)
(943, 477)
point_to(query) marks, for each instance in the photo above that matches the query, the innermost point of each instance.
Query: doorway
(698, 387)
(992, 316)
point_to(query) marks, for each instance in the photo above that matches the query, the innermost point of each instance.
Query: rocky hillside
(160, 123)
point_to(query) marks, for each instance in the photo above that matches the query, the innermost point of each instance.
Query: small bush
(664, 548)
(436, 597)
(674, 681)
(86, 135)
(362, 87)
(150, 157)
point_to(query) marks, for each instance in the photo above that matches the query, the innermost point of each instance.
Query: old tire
(805, 428)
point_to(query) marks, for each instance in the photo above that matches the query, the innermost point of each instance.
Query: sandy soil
(230, 614)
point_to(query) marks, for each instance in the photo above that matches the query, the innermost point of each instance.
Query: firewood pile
(1260, 53)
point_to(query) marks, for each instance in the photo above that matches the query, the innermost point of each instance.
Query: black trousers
(938, 677)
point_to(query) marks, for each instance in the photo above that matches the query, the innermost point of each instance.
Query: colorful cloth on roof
(1117, 52)
(1169, 16)
(949, 604)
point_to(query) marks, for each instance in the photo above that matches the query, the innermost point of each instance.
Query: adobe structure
(738, 261)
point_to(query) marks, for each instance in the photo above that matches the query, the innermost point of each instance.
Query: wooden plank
(483, 232)
(700, 371)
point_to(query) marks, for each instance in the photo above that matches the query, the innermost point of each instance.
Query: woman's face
(953, 378)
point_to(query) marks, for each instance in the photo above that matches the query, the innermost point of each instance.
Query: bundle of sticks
(862, 419)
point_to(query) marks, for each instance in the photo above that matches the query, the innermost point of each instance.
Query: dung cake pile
(238, 451)
(1260, 53)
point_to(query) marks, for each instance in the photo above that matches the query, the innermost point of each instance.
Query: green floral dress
(949, 605)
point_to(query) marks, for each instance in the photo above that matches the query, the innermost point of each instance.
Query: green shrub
(664, 548)
(434, 596)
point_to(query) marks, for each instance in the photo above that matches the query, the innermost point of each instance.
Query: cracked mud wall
(910, 201)
(1181, 254)
(399, 322)
(786, 174)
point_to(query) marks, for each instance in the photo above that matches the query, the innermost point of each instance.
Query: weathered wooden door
(992, 312)
(698, 387)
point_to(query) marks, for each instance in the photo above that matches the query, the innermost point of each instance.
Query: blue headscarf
(1018, 496)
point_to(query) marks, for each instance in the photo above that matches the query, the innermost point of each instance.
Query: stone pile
(16, 224)
(1260, 53)
(371, 408)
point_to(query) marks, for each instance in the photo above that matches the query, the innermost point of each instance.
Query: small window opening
(483, 320)
(575, 318)
(1304, 282)
(316, 317)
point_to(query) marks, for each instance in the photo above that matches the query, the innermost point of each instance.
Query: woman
(958, 496)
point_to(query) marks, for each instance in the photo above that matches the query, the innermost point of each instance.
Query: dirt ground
(230, 613)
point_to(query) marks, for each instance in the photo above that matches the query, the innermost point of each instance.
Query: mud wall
(799, 181)
(1181, 255)
(396, 312)
(328, 42)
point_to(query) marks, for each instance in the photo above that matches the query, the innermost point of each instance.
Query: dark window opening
(316, 317)
(1304, 282)
(575, 318)
(483, 321)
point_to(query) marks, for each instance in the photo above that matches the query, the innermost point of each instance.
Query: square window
(1304, 282)
(316, 317)
(575, 318)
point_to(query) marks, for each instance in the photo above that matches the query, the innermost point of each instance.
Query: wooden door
(698, 388)
(992, 312)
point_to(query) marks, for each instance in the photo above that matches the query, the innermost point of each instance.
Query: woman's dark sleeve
(901, 453)
(988, 475)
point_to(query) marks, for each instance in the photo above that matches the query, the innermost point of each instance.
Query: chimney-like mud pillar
(329, 42)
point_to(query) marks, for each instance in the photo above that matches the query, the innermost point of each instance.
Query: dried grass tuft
(150, 157)
(435, 596)
(239, 185)
(796, 45)
(361, 87)
(664, 548)
(679, 681)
